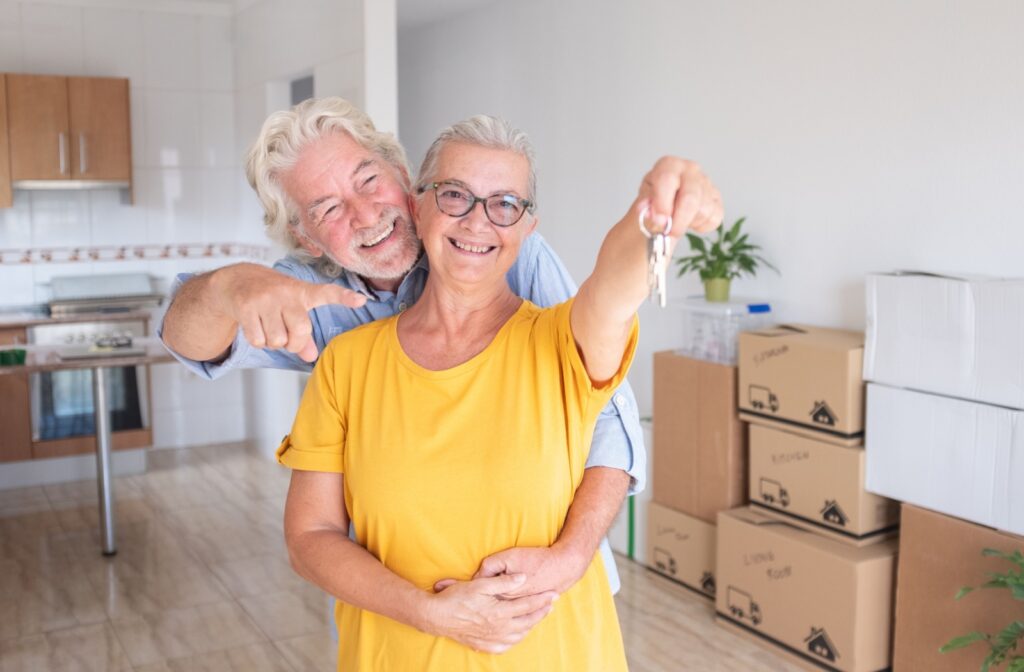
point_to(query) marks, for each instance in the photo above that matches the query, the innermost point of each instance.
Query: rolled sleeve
(309, 460)
(619, 441)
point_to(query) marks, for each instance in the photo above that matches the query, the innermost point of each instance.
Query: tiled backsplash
(189, 187)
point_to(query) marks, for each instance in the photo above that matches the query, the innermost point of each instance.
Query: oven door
(62, 403)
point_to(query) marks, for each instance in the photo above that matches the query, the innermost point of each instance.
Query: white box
(957, 336)
(954, 456)
(618, 533)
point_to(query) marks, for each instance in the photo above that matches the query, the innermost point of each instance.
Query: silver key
(657, 259)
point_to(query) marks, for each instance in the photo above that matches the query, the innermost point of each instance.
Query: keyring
(647, 233)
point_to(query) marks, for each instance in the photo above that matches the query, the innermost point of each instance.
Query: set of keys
(657, 258)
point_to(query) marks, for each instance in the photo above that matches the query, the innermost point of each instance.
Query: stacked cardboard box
(699, 466)
(809, 567)
(945, 361)
(938, 556)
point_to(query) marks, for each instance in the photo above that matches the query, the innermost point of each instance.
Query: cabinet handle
(62, 147)
(83, 163)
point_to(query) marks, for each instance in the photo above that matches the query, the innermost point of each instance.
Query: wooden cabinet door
(15, 413)
(100, 129)
(6, 197)
(37, 117)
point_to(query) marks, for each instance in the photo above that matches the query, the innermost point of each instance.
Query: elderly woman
(460, 427)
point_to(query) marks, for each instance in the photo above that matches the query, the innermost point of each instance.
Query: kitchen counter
(16, 320)
(40, 358)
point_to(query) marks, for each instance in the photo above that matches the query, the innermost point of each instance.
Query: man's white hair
(484, 131)
(283, 137)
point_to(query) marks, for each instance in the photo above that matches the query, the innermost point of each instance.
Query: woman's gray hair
(283, 137)
(484, 131)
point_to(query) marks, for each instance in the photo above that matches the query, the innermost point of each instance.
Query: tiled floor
(201, 581)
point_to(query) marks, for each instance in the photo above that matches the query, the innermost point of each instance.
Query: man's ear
(404, 175)
(414, 212)
(303, 240)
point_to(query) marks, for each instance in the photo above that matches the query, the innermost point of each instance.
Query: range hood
(119, 292)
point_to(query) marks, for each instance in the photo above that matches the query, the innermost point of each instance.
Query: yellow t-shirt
(444, 468)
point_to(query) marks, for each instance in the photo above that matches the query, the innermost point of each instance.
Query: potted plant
(721, 259)
(1003, 646)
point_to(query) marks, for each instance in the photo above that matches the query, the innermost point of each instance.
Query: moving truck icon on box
(761, 398)
(742, 606)
(772, 492)
(664, 561)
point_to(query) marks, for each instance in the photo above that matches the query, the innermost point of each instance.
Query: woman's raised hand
(679, 189)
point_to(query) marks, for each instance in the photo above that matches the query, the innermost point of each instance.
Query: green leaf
(1016, 665)
(696, 242)
(962, 641)
(1016, 557)
(963, 591)
(1007, 639)
(734, 230)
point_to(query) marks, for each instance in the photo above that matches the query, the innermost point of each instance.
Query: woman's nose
(476, 218)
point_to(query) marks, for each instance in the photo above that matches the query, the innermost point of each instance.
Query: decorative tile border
(46, 255)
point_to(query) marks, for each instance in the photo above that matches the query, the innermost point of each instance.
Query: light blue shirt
(537, 276)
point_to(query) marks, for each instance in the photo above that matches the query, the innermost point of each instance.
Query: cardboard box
(957, 457)
(828, 603)
(804, 378)
(938, 556)
(817, 486)
(628, 532)
(700, 456)
(682, 548)
(960, 336)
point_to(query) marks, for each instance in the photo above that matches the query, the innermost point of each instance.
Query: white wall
(278, 41)
(854, 136)
(187, 171)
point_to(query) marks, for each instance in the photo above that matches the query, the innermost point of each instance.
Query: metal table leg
(103, 478)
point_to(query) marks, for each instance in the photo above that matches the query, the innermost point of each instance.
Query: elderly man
(335, 193)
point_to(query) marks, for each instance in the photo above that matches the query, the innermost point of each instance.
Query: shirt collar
(359, 284)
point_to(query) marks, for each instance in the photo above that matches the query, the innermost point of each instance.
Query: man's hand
(546, 569)
(475, 614)
(273, 309)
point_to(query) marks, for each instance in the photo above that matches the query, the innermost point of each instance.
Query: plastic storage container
(711, 330)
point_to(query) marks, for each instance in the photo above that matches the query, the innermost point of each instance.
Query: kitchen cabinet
(100, 129)
(69, 129)
(6, 197)
(15, 413)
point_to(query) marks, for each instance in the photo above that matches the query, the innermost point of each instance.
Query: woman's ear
(532, 225)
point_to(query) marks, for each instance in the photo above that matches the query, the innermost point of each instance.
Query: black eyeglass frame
(528, 205)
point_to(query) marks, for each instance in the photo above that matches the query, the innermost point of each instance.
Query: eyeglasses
(455, 200)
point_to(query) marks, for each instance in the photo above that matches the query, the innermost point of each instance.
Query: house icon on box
(819, 643)
(833, 513)
(823, 414)
(707, 583)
